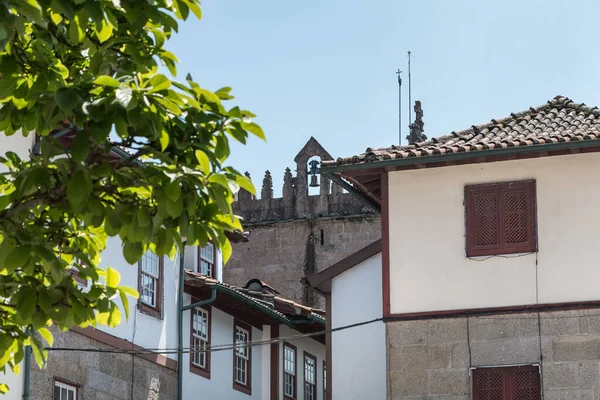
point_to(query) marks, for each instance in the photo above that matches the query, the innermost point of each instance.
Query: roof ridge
(560, 119)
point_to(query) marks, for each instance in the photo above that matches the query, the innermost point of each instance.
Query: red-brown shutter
(526, 383)
(508, 383)
(489, 384)
(500, 218)
(518, 217)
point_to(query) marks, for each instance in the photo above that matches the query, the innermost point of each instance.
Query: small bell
(313, 181)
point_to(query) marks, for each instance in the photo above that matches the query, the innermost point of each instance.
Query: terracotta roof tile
(287, 309)
(560, 120)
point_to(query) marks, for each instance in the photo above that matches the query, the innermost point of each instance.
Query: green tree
(75, 72)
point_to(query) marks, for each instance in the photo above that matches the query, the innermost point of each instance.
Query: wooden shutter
(525, 383)
(489, 384)
(518, 217)
(509, 383)
(500, 218)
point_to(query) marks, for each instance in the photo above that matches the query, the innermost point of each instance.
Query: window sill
(150, 311)
(205, 373)
(505, 253)
(288, 397)
(242, 388)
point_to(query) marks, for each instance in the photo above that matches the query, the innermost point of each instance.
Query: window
(289, 371)
(200, 340)
(500, 218)
(510, 383)
(324, 380)
(150, 284)
(242, 357)
(206, 260)
(310, 377)
(64, 390)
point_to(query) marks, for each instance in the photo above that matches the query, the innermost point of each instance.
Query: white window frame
(211, 271)
(64, 387)
(289, 369)
(200, 320)
(242, 356)
(324, 379)
(310, 382)
(154, 279)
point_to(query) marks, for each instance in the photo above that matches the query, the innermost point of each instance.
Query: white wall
(149, 332)
(428, 266)
(17, 143)
(20, 145)
(220, 384)
(314, 348)
(359, 354)
(14, 382)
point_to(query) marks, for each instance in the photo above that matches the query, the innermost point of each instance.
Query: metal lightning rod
(409, 93)
(399, 107)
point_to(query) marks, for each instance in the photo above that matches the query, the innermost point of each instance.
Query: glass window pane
(207, 252)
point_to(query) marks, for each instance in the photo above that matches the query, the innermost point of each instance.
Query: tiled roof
(285, 308)
(560, 120)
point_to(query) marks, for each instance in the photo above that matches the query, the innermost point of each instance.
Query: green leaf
(17, 258)
(174, 208)
(125, 302)
(226, 251)
(144, 219)
(112, 278)
(39, 318)
(105, 31)
(114, 317)
(32, 10)
(173, 191)
(67, 99)
(105, 80)
(45, 333)
(132, 251)
(255, 129)
(193, 5)
(203, 161)
(76, 32)
(158, 82)
(79, 188)
(129, 291)
(102, 318)
(164, 242)
(125, 98)
(64, 7)
(26, 299)
(245, 183)
(80, 147)
(39, 353)
(164, 140)
(8, 85)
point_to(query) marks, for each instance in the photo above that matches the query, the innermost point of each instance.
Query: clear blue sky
(326, 68)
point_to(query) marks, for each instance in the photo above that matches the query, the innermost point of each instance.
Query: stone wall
(430, 359)
(282, 253)
(101, 376)
(299, 234)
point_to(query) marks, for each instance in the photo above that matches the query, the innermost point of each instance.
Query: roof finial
(267, 186)
(416, 134)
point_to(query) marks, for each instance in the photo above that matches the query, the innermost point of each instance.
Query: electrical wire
(215, 348)
(230, 346)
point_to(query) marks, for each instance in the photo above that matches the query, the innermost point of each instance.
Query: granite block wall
(101, 376)
(431, 359)
(280, 253)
